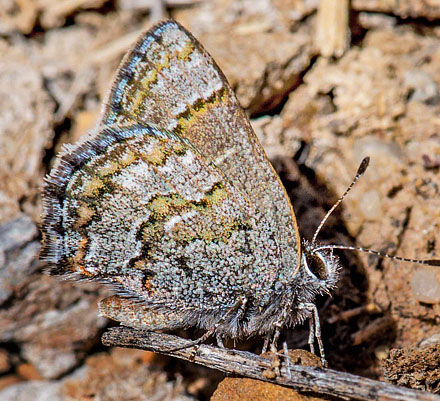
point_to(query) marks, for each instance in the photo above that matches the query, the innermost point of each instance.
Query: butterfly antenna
(429, 262)
(361, 170)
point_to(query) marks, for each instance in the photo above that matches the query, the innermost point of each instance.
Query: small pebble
(425, 284)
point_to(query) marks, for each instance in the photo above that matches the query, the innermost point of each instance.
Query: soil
(316, 117)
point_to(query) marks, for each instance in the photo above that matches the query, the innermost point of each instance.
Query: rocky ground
(316, 118)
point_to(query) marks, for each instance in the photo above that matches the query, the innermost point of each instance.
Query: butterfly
(172, 202)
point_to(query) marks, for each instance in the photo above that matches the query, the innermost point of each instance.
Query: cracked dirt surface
(317, 119)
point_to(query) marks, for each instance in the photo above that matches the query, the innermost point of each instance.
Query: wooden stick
(301, 378)
(332, 31)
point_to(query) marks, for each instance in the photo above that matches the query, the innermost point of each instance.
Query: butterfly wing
(172, 199)
(168, 79)
(141, 209)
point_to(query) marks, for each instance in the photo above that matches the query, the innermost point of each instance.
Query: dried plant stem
(333, 33)
(301, 378)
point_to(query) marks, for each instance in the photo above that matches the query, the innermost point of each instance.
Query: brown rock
(54, 322)
(36, 390)
(18, 252)
(54, 13)
(25, 128)
(122, 375)
(22, 15)
(5, 363)
(237, 389)
(56, 331)
(28, 372)
(8, 380)
(251, 389)
(18, 15)
(415, 367)
(403, 8)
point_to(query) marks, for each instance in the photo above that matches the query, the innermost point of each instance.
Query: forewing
(169, 79)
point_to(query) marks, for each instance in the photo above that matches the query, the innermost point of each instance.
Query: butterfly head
(321, 266)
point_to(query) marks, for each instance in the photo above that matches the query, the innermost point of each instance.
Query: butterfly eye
(316, 265)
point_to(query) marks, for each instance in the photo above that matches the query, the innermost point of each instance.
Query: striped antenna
(361, 170)
(428, 262)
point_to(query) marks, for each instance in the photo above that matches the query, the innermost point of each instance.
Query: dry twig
(301, 378)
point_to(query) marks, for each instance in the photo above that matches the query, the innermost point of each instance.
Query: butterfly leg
(276, 336)
(311, 339)
(218, 337)
(238, 307)
(196, 342)
(315, 331)
(287, 359)
(273, 348)
(266, 342)
(278, 325)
